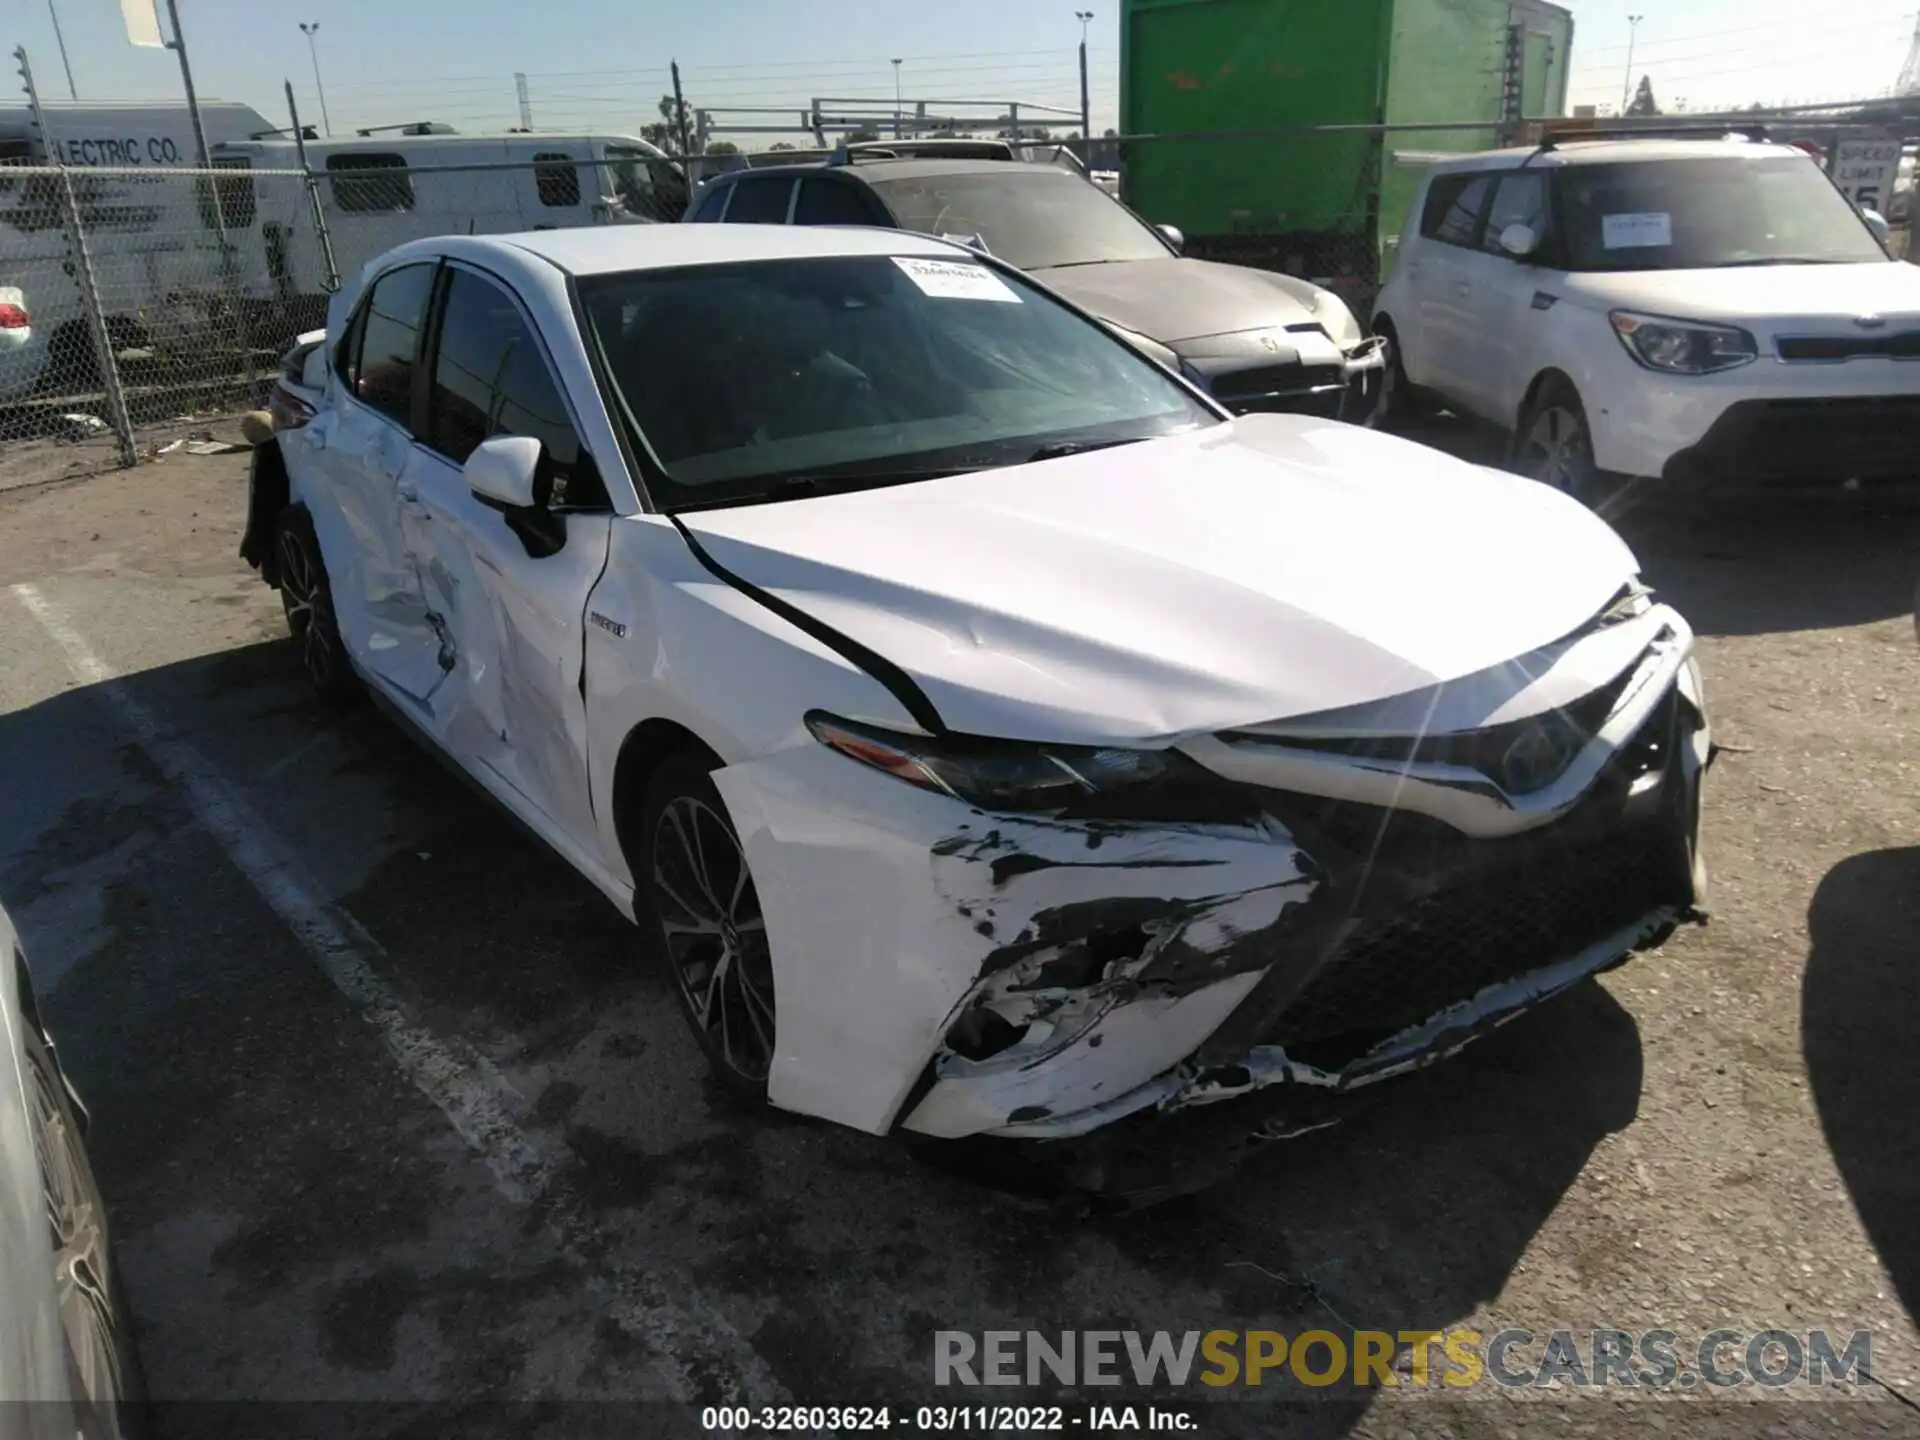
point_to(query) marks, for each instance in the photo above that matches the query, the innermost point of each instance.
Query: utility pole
(1085, 17)
(896, 99)
(680, 115)
(1633, 34)
(54, 11)
(313, 53)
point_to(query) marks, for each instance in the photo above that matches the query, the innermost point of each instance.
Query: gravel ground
(1719, 1135)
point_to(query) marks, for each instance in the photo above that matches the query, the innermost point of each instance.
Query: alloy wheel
(715, 935)
(1556, 451)
(309, 613)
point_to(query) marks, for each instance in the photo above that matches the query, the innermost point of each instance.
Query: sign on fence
(1865, 170)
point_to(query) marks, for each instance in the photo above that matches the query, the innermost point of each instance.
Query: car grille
(1283, 389)
(1400, 969)
(1830, 348)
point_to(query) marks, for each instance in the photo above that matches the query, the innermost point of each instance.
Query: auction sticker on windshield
(1637, 232)
(956, 280)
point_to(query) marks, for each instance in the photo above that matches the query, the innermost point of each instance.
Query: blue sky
(604, 64)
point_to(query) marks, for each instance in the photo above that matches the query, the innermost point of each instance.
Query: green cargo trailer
(1325, 205)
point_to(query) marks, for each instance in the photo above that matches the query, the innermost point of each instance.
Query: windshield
(1708, 213)
(856, 370)
(1032, 217)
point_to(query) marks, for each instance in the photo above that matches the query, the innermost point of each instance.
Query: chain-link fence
(135, 297)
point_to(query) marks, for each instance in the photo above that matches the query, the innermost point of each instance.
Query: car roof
(1613, 152)
(601, 250)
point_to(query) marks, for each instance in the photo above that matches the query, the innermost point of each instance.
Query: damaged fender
(1088, 957)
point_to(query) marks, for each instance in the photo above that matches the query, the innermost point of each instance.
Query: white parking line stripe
(670, 1316)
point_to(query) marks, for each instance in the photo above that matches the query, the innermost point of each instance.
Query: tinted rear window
(760, 202)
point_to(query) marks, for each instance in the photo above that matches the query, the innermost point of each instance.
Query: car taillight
(12, 317)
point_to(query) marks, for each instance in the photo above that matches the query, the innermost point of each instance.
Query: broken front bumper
(955, 973)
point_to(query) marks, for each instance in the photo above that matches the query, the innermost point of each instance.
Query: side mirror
(1877, 223)
(1172, 235)
(502, 470)
(1519, 241)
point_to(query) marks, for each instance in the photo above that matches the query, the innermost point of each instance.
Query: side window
(832, 202)
(1520, 200)
(491, 378)
(235, 191)
(389, 340)
(761, 201)
(1453, 208)
(368, 182)
(556, 179)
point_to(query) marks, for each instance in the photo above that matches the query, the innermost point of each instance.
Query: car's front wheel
(307, 598)
(1554, 443)
(702, 907)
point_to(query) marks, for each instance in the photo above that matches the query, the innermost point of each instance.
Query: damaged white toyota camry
(992, 736)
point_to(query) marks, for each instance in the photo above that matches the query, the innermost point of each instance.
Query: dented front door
(510, 592)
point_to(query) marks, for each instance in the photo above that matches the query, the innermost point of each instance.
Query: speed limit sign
(1865, 170)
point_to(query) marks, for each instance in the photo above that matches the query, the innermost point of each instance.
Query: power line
(1778, 26)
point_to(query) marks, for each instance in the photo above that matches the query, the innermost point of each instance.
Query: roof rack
(412, 127)
(1554, 139)
(941, 148)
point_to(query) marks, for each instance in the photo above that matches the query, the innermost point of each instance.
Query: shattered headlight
(1014, 776)
(1684, 347)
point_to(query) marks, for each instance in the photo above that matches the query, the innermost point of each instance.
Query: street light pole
(313, 53)
(896, 99)
(179, 47)
(67, 64)
(1085, 17)
(1633, 34)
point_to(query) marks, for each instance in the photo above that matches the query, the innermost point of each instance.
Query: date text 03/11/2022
(941, 1419)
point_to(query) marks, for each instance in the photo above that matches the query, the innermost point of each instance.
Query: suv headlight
(1683, 347)
(1013, 776)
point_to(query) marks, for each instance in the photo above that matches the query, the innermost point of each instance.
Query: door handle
(1461, 287)
(407, 491)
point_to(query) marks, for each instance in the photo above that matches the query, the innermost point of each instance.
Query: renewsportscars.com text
(1368, 1359)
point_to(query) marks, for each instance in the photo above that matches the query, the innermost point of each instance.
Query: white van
(379, 191)
(163, 279)
(151, 237)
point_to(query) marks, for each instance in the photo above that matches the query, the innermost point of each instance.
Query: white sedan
(991, 735)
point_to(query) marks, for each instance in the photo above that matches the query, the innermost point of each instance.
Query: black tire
(307, 598)
(699, 909)
(1554, 444)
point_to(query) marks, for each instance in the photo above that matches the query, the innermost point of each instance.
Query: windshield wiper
(1063, 448)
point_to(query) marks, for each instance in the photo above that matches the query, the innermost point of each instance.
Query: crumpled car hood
(1176, 300)
(1274, 567)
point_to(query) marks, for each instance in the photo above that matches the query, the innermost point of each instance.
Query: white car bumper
(1765, 424)
(955, 973)
(893, 911)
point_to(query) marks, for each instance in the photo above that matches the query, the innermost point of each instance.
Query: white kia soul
(1704, 312)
